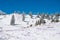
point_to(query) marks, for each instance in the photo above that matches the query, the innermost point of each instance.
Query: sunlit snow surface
(22, 30)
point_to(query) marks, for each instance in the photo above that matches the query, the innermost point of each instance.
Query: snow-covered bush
(56, 18)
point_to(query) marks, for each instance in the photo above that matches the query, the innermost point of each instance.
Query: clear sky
(10, 6)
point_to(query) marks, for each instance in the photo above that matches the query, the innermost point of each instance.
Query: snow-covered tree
(57, 14)
(42, 21)
(12, 20)
(47, 16)
(42, 15)
(36, 23)
(23, 16)
(39, 22)
(51, 16)
(30, 13)
(38, 15)
(56, 18)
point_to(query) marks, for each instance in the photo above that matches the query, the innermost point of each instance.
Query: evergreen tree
(38, 15)
(30, 13)
(57, 14)
(51, 16)
(43, 15)
(54, 20)
(12, 20)
(42, 21)
(47, 16)
(36, 23)
(23, 16)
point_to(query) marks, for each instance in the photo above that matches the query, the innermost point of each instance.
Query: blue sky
(45, 6)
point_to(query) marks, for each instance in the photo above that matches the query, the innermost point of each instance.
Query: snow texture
(22, 30)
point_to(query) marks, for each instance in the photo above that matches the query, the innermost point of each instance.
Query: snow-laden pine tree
(51, 16)
(30, 13)
(23, 16)
(47, 16)
(57, 14)
(12, 20)
(56, 17)
(43, 15)
(36, 23)
(55, 20)
(39, 22)
(38, 15)
(42, 21)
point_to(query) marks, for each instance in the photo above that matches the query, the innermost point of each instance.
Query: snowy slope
(23, 31)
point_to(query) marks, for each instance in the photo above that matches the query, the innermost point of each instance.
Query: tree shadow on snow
(15, 24)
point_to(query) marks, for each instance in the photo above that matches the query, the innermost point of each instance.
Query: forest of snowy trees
(42, 16)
